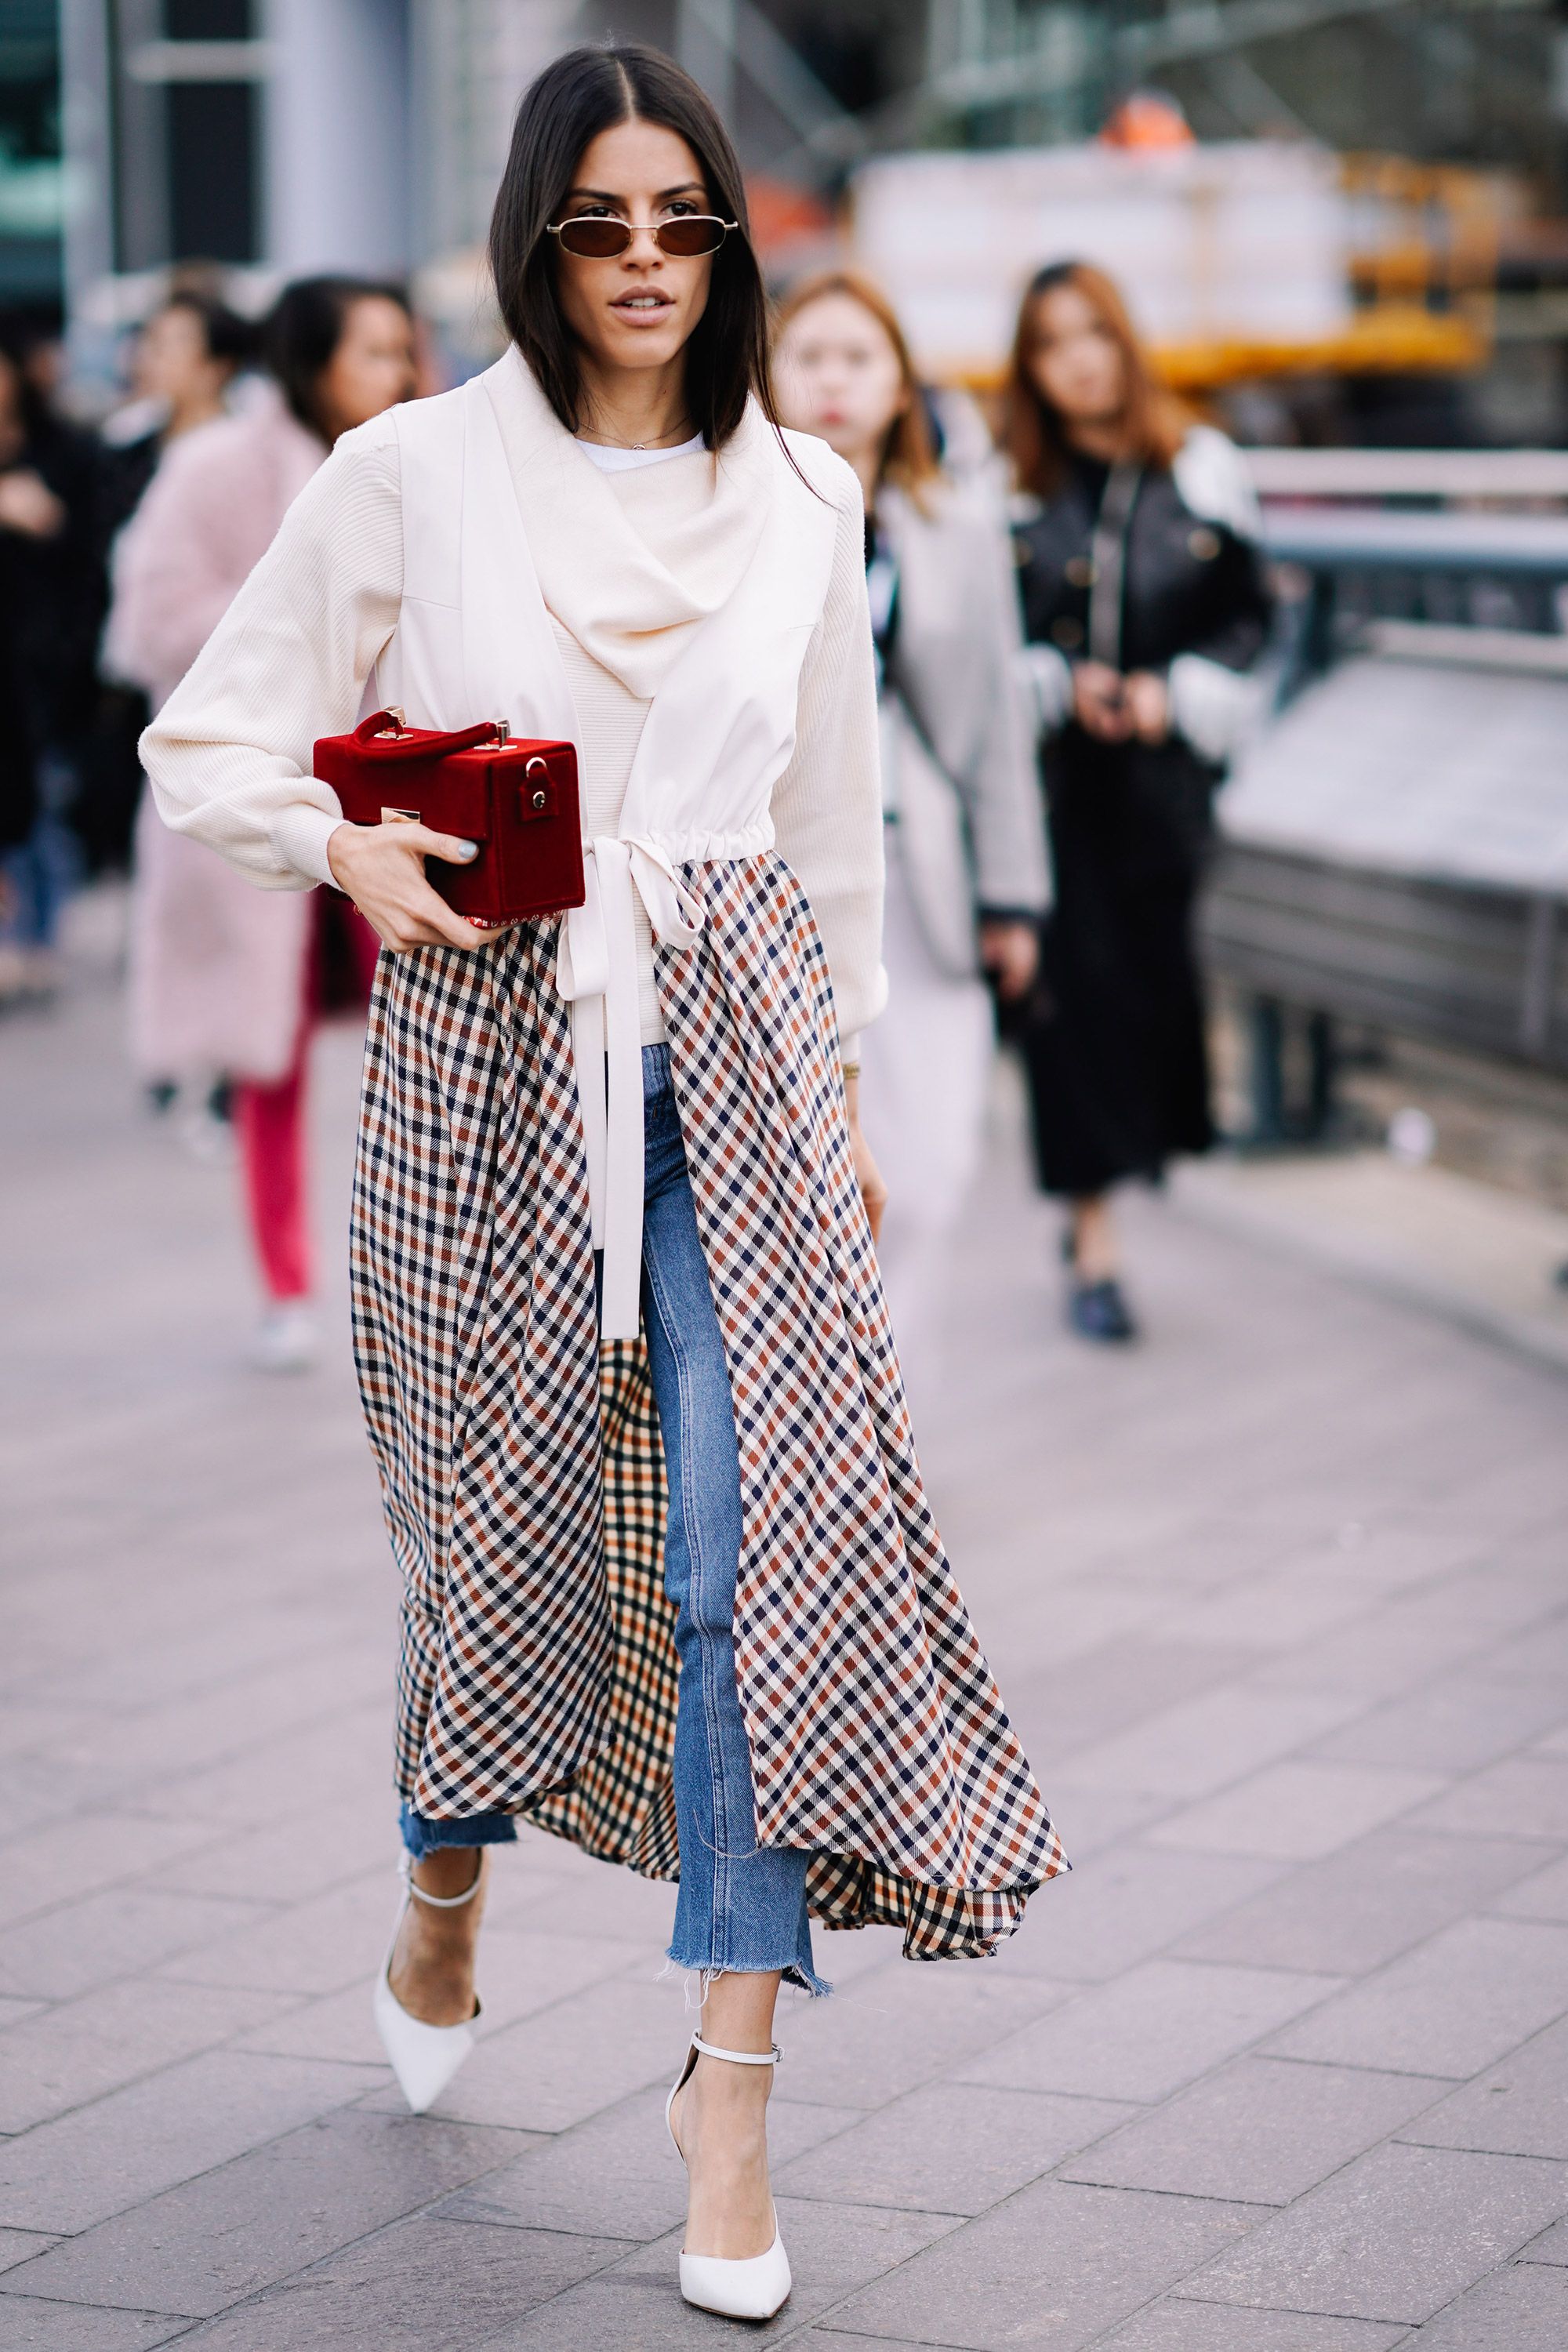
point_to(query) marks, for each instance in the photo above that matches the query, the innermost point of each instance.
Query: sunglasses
(686, 236)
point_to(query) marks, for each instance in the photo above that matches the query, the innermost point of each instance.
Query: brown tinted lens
(595, 240)
(688, 236)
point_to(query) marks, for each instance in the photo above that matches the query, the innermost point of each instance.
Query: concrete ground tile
(1296, 1811)
(1055, 2265)
(1456, 1724)
(1521, 2309)
(77, 1946)
(418, 2286)
(617, 2175)
(1091, 1820)
(1525, 1796)
(636, 2303)
(26, 2326)
(60, 2058)
(1134, 1902)
(1149, 2031)
(1538, 1652)
(555, 2069)
(1450, 2006)
(69, 2174)
(20, 2246)
(249, 2224)
(1120, 1684)
(1517, 2108)
(899, 2026)
(1551, 2246)
(12, 2010)
(1279, 1607)
(1382, 1655)
(518, 1975)
(1176, 2324)
(946, 2149)
(332, 1939)
(285, 1861)
(1396, 2235)
(603, 1900)
(1197, 1747)
(1261, 2131)
(74, 1858)
(1361, 1907)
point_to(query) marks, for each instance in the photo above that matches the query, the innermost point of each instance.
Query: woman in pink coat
(226, 980)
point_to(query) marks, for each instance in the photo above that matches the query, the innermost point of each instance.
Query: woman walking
(224, 981)
(965, 847)
(681, 1598)
(1147, 609)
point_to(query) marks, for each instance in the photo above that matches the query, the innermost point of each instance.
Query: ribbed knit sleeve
(828, 804)
(229, 755)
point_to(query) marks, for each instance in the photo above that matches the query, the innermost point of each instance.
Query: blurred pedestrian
(966, 878)
(767, 1685)
(184, 364)
(224, 980)
(1147, 609)
(51, 608)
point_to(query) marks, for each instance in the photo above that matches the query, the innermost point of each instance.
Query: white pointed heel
(424, 2057)
(757, 2285)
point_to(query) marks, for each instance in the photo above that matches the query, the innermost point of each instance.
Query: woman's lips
(640, 310)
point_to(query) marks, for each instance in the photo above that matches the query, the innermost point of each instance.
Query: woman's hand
(1099, 701)
(1148, 706)
(28, 505)
(381, 869)
(1010, 952)
(867, 1175)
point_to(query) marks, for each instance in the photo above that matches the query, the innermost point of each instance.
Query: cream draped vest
(474, 641)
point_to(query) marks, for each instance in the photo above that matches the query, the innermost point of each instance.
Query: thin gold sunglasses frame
(654, 228)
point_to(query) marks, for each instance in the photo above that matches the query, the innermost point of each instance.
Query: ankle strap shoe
(422, 2057)
(758, 2285)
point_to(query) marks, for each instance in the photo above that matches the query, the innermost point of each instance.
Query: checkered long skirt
(521, 1462)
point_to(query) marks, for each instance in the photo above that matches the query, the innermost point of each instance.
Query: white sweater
(230, 757)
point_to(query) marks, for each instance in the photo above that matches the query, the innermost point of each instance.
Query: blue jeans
(740, 1906)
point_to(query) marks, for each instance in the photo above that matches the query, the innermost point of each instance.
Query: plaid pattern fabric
(522, 1470)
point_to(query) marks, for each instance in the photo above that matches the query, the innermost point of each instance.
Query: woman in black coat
(1146, 609)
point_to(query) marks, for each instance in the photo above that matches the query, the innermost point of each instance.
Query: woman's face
(372, 367)
(638, 309)
(174, 363)
(838, 376)
(1074, 361)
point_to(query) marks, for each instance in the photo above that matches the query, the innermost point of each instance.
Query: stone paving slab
(1395, 2235)
(420, 2286)
(1519, 2108)
(1262, 2131)
(1174, 2325)
(1523, 2309)
(1280, 1600)
(1150, 2031)
(1055, 2265)
(1450, 2006)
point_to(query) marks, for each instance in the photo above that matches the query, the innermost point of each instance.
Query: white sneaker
(288, 1338)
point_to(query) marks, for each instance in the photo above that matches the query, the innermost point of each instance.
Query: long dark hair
(584, 92)
(303, 330)
(1153, 422)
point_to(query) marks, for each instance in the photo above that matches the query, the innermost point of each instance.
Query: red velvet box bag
(517, 798)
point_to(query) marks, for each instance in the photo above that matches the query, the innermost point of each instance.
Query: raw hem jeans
(740, 1906)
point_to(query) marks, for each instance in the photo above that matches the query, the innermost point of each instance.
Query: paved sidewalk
(1281, 1602)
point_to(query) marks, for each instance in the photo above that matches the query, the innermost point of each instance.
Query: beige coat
(218, 970)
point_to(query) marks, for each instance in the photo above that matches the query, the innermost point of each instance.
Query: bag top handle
(387, 731)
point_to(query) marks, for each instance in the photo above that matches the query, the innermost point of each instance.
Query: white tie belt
(596, 972)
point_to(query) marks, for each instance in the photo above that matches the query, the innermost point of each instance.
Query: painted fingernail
(468, 848)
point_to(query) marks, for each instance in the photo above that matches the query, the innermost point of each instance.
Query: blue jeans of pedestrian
(740, 1906)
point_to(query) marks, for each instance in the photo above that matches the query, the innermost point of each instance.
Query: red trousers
(270, 1121)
